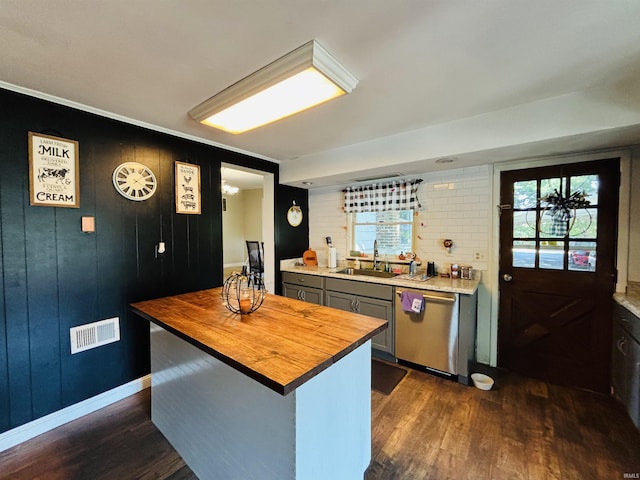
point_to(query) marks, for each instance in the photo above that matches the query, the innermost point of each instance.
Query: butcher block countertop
(281, 345)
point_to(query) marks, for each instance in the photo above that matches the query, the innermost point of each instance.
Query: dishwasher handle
(435, 298)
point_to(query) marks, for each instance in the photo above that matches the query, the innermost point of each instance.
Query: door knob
(506, 277)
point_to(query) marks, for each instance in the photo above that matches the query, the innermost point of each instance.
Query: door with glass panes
(558, 230)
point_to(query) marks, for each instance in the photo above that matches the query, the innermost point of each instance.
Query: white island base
(228, 426)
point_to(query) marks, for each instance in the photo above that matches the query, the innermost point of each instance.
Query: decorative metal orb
(243, 293)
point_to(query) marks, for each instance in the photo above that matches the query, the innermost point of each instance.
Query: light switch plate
(88, 224)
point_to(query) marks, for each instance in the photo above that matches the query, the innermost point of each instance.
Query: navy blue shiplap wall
(291, 241)
(53, 276)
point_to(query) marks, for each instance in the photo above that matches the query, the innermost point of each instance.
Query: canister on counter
(454, 270)
(465, 272)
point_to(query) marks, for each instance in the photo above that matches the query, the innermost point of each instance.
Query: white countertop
(440, 284)
(631, 299)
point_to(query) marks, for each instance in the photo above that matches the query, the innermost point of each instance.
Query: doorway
(247, 199)
(558, 231)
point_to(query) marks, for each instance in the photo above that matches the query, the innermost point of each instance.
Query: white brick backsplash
(462, 214)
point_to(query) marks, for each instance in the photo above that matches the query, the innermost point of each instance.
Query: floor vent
(91, 335)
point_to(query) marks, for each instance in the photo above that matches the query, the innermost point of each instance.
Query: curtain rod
(386, 182)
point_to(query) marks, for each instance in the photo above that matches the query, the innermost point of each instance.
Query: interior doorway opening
(247, 210)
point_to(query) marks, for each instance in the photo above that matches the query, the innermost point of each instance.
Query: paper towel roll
(333, 257)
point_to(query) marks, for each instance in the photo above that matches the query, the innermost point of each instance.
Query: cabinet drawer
(364, 289)
(627, 320)
(314, 281)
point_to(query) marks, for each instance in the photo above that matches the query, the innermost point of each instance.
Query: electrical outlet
(479, 255)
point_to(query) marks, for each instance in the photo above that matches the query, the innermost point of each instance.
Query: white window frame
(351, 224)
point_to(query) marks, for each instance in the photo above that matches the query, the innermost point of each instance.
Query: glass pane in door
(585, 224)
(587, 184)
(524, 195)
(550, 186)
(582, 256)
(524, 224)
(524, 254)
(552, 255)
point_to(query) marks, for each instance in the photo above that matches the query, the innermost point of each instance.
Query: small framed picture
(53, 171)
(187, 188)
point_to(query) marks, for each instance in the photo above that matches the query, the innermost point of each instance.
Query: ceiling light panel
(303, 78)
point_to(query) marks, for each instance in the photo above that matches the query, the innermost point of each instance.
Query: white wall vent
(95, 334)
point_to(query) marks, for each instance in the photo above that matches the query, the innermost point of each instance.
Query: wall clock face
(134, 181)
(294, 216)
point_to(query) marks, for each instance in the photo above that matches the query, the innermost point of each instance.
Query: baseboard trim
(41, 425)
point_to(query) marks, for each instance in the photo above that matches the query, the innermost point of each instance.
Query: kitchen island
(282, 393)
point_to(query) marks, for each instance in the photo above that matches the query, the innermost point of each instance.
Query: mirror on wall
(247, 199)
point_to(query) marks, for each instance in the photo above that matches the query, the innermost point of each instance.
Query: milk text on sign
(53, 151)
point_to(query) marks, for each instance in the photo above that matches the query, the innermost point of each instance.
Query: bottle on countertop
(431, 269)
(412, 267)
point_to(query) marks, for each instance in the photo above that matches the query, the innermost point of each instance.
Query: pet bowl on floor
(483, 382)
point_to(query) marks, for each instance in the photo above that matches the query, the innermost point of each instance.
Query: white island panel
(228, 426)
(333, 422)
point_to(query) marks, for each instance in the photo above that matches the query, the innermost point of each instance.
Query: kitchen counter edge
(440, 284)
(631, 299)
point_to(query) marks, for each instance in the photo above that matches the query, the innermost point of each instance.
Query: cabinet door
(371, 307)
(311, 295)
(626, 371)
(383, 309)
(341, 301)
(290, 291)
(634, 394)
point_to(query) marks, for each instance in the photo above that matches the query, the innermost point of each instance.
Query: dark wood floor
(428, 428)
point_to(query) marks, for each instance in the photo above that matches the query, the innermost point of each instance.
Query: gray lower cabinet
(373, 300)
(308, 288)
(625, 362)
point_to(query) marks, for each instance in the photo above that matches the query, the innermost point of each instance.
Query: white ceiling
(481, 81)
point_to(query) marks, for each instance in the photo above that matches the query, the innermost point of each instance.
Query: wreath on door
(562, 211)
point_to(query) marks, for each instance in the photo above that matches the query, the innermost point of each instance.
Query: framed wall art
(53, 171)
(187, 188)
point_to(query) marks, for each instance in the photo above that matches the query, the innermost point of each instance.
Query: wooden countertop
(281, 345)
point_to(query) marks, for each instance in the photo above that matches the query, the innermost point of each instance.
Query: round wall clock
(294, 215)
(134, 181)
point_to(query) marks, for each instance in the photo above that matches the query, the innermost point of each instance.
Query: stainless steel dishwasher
(429, 338)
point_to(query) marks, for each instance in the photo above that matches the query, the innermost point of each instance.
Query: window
(392, 229)
(564, 240)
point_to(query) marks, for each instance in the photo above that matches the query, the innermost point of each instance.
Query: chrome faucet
(376, 262)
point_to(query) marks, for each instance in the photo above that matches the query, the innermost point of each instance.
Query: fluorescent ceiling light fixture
(303, 78)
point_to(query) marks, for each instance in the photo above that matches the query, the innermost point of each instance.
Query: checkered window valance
(382, 197)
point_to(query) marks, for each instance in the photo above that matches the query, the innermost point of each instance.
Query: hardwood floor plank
(427, 428)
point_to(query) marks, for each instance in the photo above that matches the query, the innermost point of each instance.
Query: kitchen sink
(368, 273)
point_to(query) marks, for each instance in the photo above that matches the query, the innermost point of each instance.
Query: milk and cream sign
(53, 171)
